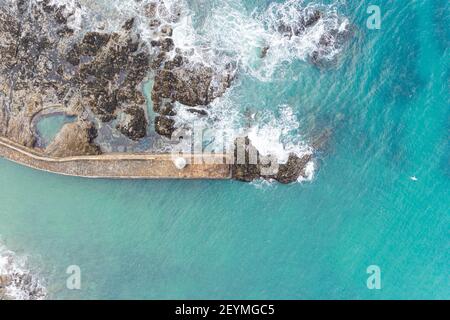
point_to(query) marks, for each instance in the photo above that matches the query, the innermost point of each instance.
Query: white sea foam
(278, 135)
(263, 184)
(73, 11)
(22, 283)
(231, 31)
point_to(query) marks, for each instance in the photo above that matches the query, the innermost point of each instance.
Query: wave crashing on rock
(17, 280)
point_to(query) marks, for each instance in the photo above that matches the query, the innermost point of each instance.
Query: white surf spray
(256, 44)
(225, 35)
(17, 280)
(262, 41)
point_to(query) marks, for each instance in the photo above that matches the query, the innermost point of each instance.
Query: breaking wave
(262, 41)
(17, 280)
(259, 43)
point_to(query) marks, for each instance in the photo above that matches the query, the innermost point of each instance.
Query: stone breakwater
(118, 166)
(157, 166)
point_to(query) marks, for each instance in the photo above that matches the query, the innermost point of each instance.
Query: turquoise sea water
(387, 105)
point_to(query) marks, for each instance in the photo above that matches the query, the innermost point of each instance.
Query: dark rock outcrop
(43, 62)
(308, 18)
(254, 166)
(293, 168)
(135, 123)
(164, 126)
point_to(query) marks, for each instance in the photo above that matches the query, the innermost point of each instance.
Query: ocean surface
(380, 193)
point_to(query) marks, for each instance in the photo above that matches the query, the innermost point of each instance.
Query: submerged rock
(17, 281)
(336, 31)
(200, 112)
(189, 84)
(293, 169)
(264, 52)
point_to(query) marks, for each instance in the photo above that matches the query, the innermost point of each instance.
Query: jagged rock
(191, 85)
(252, 166)
(312, 18)
(154, 23)
(307, 20)
(166, 109)
(43, 62)
(129, 24)
(293, 169)
(245, 169)
(200, 112)
(164, 126)
(264, 52)
(135, 123)
(74, 139)
(167, 45)
(334, 35)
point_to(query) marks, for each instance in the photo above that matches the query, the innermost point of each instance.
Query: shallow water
(386, 104)
(49, 126)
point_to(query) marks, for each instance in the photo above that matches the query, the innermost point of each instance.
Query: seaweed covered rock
(333, 30)
(293, 169)
(43, 63)
(134, 125)
(164, 126)
(190, 84)
(110, 78)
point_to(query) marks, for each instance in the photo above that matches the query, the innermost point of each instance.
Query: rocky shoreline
(17, 282)
(97, 77)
